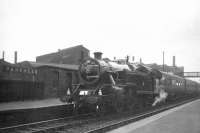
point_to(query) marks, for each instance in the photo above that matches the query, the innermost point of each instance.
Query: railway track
(49, 125)
(87, 123)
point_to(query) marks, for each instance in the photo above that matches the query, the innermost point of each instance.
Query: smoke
(161, 98)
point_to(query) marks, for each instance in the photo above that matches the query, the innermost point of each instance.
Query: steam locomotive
(110, 85)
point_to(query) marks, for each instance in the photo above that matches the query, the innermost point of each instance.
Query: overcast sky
(140, 28)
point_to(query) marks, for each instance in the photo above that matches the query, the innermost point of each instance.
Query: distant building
(72, 55)
(169, 69)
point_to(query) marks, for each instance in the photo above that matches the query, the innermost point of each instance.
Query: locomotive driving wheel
(119, 107)
(100, 109)
(118, 104)
(130, 99)
(131, 104)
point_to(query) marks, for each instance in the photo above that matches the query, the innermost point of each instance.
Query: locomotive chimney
(98, 55)
(174, 61)
(15, 57)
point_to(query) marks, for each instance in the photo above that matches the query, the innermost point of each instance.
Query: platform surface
(182, 119)
(30, 104)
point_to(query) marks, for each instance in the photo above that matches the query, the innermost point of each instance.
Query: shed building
(57, 78)
(72, 55)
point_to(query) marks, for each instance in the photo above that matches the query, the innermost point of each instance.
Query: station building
(49, 77)
(19, 82)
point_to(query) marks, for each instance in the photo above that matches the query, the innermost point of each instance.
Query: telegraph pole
(163, 61)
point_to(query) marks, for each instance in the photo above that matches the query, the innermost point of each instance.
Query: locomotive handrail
(92, 77)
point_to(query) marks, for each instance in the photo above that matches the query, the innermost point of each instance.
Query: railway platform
(7, 106)
(22, 112)
(182, 119)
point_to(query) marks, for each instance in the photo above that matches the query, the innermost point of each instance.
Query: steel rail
(37, 126)
(56, 125)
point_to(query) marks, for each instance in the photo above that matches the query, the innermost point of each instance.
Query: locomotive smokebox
(98, 55)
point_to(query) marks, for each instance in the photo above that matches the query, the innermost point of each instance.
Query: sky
(139, 28)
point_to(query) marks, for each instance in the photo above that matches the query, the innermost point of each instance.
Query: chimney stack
(140, 60)
(3, 55)
(15, 57)
(133, 58)
(174, 61)
(98, 55)
(127, 59)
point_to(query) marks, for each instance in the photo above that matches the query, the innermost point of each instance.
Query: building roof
(64, 50)
(70, 48)
(4, 62)
(37, 65)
